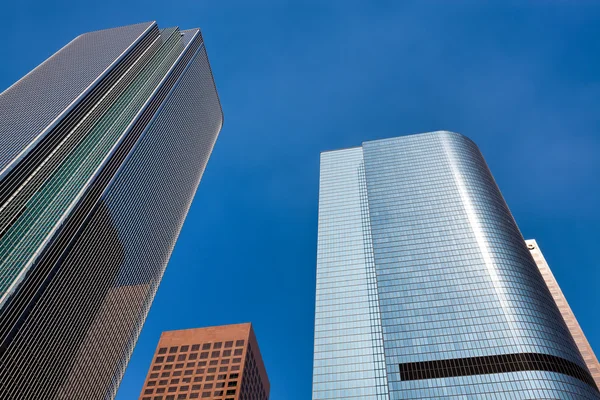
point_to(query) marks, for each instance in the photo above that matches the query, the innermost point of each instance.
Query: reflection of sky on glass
(521, 81)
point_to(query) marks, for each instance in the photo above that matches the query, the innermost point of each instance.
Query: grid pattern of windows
(347, 355)
(220, 363)
(455, 282)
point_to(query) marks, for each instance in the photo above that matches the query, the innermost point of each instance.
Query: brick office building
(221, 362)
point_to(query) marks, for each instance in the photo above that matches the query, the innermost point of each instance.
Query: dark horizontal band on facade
(493, 365)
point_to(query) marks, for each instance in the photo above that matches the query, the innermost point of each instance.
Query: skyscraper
(425, 287)
(219, 362)
(102, 147)
(580, 340)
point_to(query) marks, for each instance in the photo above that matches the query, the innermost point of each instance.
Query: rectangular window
(181, 357)
(216, 354)
(226, 353)
(162, 350)
(173, 349)
(206, 346)
(239, 343)
(193, 356)
(184, 348)
(195, 347)
(228, 344)
(217, 345)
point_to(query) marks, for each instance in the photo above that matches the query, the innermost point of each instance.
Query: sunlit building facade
(425, 286)
(102, 147)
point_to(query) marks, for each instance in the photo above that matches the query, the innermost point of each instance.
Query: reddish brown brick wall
(204, 363)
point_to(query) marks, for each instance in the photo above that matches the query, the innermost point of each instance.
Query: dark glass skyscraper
(102, 148)
(425, 286)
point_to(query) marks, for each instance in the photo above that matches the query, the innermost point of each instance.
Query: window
(184, 348)
(212, 370)
(200, 371)
(198, 379)
(201, 363)
(193, 356)
(179, 365)
(162, 350)
(225, 361)
(205, 394)
(157, 397)
(170, 358)
(151, 383)
(204, 355)
(216, 354)
(219, 393)
(238, 352)
(171, 397)
(233, 376)
(160, 390)
(194, 396)
(230, 392)
(195, 347)
(182, 396)
(208, 386)
(172, 389)
(223, 376)
(181, 357)
(235, 368)
(239, 343)
(148, 391)
(196, 387)
(163, 382)
(184, 388)
(165, 374)
(168, 366)
(210, 378)
(236, 360)
(213, 362)
(220, 384)
(188, 372)
(174, 381)
(217, 345)
(173, 349)
(156, 368)
(159, 359)
(206, 346)
(228, 344)
(177, 373)
(232, 384)
(154, 375)
(190, 365)
(223, 369)
(226, 353)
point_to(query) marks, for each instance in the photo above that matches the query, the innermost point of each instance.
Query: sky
(298, 78)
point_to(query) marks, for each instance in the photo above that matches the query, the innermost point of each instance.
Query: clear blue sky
(297, 78)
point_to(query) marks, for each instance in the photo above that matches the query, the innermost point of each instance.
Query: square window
(238, 352)
(193, 356)
(213, 362)
(163, 381)
(168, 366)
(220, 384)
(164, 374)
(173, 349)
(193, 395)
(226, 353)
(177, 373)
(154, 375)
(174, 381)
(162, 350)
(151, 383)
(171, 397)
(216, 354)
(198, 379)
(196, 387)
(184, 348)
(181, 357)
(208, 386)
(186, 380)
(223, 369)
(239, 343)
(148, 391)
(160, 390)
(222, 376)
(179, 365)
(236, 360)
(235, 368)
(225, 361)
(228, 344)
(170, 358)
(233, 376)
(190, 365)
(195, 347)
(182, 396)
(210, 378)
(217, 345)
(201, 363)
(205, 394)
(188, 372)
(200, 371)
(232, 384)
(172, 389)
(219, 393)
(212, 370)
(206, 346)
(184, 388)
(231, 392)
(156, 368)
(159, 359)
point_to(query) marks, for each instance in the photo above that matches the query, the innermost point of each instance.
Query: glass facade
(463, 310)
(91, 212)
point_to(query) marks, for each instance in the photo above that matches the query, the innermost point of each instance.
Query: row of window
(194, 356)
(224, 361)
(184, 396)
(196, 347)
(186, 388)
(196, 379)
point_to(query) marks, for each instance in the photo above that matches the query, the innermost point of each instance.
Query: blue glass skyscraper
(425, 286)
(102, 147)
